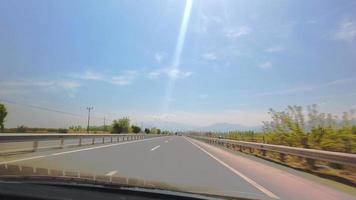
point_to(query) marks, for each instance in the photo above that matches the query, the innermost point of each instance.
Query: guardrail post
(80, 141)
(117, 139)
(263, 152)
(93, 141)
(103, 140)
(310, 163)
(35, 145)
(110, 139)
(282, 157)
(62, 143)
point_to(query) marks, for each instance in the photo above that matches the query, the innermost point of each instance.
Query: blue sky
(238, 59)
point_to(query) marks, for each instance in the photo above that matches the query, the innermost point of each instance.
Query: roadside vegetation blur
(122, 125)
(310, 129)
(304, 128)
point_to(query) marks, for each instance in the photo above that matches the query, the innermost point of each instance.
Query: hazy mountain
(224, 127)
(221, 127)
(172, 126)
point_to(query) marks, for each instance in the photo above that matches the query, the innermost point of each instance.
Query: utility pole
(89, 108)
(104, 129)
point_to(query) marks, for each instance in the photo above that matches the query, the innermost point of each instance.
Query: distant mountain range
(229, 127)
(217, 127)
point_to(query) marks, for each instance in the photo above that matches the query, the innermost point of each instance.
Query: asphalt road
(188, 163)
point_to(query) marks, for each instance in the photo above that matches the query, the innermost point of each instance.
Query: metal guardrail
(309, 154)
(39, 140)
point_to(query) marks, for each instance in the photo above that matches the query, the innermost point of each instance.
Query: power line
(49, 109)
(42, 108)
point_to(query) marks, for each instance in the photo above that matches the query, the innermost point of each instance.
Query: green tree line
(118, 126)
(3, 114)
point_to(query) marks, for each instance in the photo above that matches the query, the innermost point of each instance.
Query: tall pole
(88, 108)
(104, 129)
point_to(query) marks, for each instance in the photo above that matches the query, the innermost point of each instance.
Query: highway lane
(171, 160)
(189, 163)
(286, 183)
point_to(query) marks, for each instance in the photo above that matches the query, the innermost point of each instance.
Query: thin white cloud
(170, 72)
(154, 74)
(69, 84)
(158, 57)
(236, 32)
(176, 73)
(210, 56)
(265, 65)
(88, 75)
(302, 88)
(306, 87)
(11, 88)
(125, 78)
(66, 84)
(274, 49)
(311, 21)
(346, 31)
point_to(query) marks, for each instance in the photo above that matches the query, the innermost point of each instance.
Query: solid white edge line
(252, 182)
(74, 151)
(156, 147)
(111, 173)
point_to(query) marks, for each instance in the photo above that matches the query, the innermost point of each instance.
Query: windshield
(236, 98)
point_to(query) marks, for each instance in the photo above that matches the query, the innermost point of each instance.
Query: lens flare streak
(177, 55)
